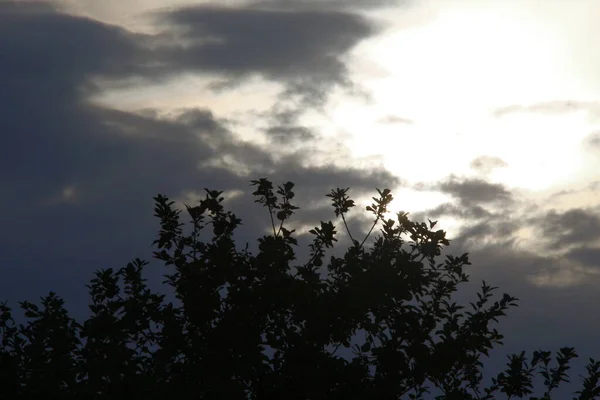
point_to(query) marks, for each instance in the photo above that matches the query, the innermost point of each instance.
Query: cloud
(494, 230)
(394, 119)
(66, 48)
(474, 212)
(326, 5)
(304, 50)
(576, 226)
(285, 125)
(588, 256)
(556, 107)
(487, 164)
(483, 210)
(491, 214)
(78, 178)
(594, 185)
(474, 190)
(486, 213)
(289, 134)
(588, 187)
(593, 140)
(46, 72)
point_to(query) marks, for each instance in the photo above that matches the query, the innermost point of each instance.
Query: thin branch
(272, 221)
(314, 255)
(336, 349)
(370, 230)
(281, 224)
(408, 390)
(347, 229)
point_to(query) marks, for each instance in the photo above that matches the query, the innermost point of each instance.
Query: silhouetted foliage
(377, 323)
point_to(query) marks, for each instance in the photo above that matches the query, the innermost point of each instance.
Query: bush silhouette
(376, 323)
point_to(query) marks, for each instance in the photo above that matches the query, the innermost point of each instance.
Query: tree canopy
(379, 322)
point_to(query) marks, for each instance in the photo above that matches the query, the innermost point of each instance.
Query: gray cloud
(78, 179)
(66, 48)
(561, 193)
(474, 212)
(589, 256)
(302, 49)
(48, 60)
(328, 5)
(290, 134)
(590, 186)
(493, 229)
(475, 191)
(486, 164)
(285, 126)
(483, 207)
(572, 227)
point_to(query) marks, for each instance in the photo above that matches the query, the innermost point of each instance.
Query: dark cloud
(486, 164)
(484, 208)
(284, 124)
(589, 256)
(304, 50)
(556, 107)
(472, 191)
(48, 60)
(44, 50)
(283, 114)
(572, 227)
(78, 179)
(494, 229)
(330, 5)
(290, 134)
(452, 210)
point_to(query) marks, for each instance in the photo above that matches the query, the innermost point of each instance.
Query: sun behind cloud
(449, 73)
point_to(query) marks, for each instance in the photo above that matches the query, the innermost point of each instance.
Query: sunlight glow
(448, 74)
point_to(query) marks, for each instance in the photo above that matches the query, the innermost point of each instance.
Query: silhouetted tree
(377, 323)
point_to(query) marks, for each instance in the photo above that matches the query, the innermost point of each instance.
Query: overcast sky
(482, 114)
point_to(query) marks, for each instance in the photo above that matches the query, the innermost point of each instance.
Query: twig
(371, 230)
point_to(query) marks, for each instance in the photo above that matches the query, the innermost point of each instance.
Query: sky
(484, 115)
